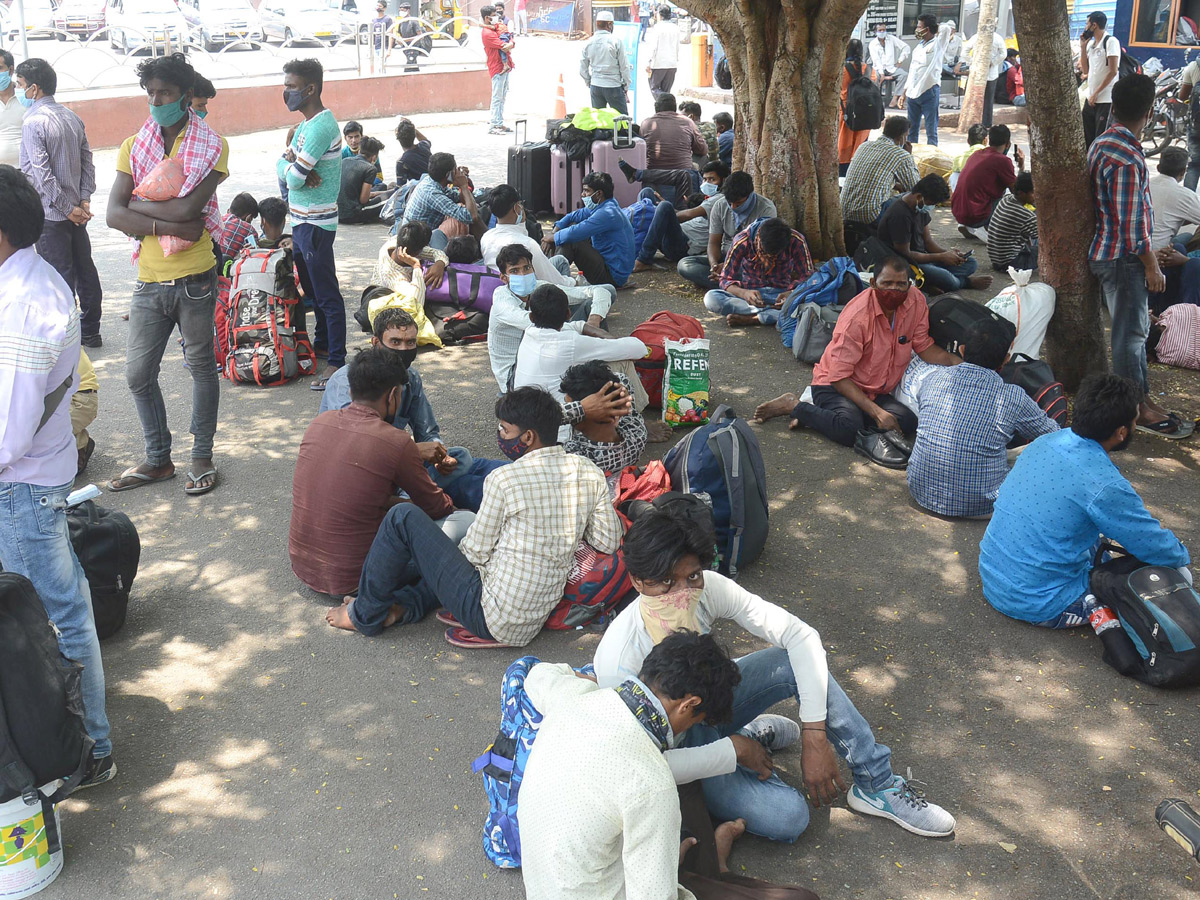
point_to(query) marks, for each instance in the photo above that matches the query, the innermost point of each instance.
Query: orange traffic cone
(560, 100)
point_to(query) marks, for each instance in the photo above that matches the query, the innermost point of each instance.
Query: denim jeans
(950, 278)
(1123, 287)
(840, 419)
(615, 97)
(924, 105)
(465, 487)
(771, 808)
(156, 309)
(415, 565)
(665, 234)
(724, 303)
(66, 246)
(696, 269)
(499, 93)
(317, 267)
(561, 263)
(1192, 178)
(34, 542)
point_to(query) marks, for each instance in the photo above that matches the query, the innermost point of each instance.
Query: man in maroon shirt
(983, 181)
(351, 466)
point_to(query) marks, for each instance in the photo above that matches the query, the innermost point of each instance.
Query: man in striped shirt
(879, 169)
(1013, 231)
(312, 168)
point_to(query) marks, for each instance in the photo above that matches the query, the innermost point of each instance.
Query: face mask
(512, 448)
(522, 285)
(921, 207)
(521, 218)
(670, 612)
(5, 80)
(708, 189)
(293, 99)
(19, 93)
(890, 300)
(407, 355)
(589, 202)
(168, 114)
(202, 113)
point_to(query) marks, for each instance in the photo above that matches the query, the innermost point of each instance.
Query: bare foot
(967, 233)
(780, 406)
(339, 616)
(980, 282)
(684, 846)
(657, 432)
(733, 320)
(726, 833)
(640, 266)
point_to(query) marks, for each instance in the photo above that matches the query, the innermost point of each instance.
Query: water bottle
(1181, 823)
(1119, 651)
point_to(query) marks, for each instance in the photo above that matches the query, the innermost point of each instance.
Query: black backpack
(722, 76)
(1127, 65)
(109, 550)
(42, 735)
(863, 110)
(950, 316)
(1036, 378)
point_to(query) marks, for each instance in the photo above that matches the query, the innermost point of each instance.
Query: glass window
(1152, 24)
(943, 9)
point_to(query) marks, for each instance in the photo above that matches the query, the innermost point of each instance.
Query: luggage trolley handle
(521, 126)
(622, 133)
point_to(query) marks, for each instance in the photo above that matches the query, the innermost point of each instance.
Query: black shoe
(85, 456)
(100, 771)
(629, 171)
(899, 441)
(91, 340)
(878, 449)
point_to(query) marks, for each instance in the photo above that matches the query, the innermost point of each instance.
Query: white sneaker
(905, 806)
(773, 732)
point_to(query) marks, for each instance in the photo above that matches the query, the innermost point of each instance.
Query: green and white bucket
(26, 863)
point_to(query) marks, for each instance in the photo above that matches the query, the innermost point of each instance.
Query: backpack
(835, 282)
(656, 329)
(1127, 65)
(640, 215)
(596, 587)
(109, 549)
(950, 316)
(463, 326)
(42, 736)
(221, 320)
(863, 109)
(262, 343)
(722, 459)
(1160, 617)
(639, 483)
(1036, 378)
(722, 76)
(814, 331)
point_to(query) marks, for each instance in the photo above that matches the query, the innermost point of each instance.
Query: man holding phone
(1099, 57)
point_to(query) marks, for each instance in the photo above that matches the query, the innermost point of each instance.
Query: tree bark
(1062, 186)
(981, 61)
(786, 58)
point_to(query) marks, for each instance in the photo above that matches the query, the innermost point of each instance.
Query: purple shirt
(55, 157)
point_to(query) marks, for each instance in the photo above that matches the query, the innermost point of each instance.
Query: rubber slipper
(196, 490)
(460, 637)
(447, 618)
(140, 480)
(319, 384)
(1173, 428)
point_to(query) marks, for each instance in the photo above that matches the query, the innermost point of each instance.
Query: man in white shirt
(995, 62)
(663, 57)
(1175, 206)
(1099, 57)
(604, 67)
(12, 114)
(888, 54)
(509, 210)
(924, 88)
(669, 560)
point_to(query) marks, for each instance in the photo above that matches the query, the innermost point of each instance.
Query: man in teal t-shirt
(312, 168)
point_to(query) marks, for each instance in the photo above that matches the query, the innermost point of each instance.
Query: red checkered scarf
(198, 152)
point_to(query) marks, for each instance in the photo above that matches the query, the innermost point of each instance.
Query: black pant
(66, 246)
(840, 420)
(589, 261)
(989, 101)
(661, 81)
(1095, 121)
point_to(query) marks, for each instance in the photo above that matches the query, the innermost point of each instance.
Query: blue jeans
(34, 542)
(1123, 286)
(696, 269)
(464, 486)
(561, 263)
(925, 105)
(414, 565)
(499, 93)
(724, 303)
(771, 808)
(316, 265)
(615, 97)
(665, 234)
(156, 309)
(950, 278)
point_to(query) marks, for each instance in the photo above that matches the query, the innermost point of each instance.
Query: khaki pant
(627, 368)
(84, 406)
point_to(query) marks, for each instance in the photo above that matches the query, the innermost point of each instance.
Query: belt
(199, 278)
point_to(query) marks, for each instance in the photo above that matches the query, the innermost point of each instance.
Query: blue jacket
(415, 412)
(606, 225)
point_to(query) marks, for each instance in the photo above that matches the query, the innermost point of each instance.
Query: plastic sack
(685, 382)
(412, 300)
(910, 382)
(164, 182)
(932, 161)
(1028, 306)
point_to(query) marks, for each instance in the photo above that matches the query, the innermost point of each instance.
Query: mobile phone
(968, 253)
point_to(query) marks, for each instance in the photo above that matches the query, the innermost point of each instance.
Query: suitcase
(107, 545)
(529, 171)
(623, 145)
(553, 126)
(566, 182)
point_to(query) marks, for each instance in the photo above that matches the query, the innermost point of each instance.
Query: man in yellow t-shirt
(176, 290)
(85, 403)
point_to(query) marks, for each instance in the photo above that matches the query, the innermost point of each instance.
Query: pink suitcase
(566, 181)
(623, 146)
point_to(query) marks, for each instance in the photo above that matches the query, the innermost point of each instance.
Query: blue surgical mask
(921, 207)
(202, 113)
(709, 189)
(589, 202)
(19, 93)
(168, 114)
(5, 80)
(521, 218)
(522, 285)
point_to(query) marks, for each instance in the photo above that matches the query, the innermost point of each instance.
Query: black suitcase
(950, 316)
(529, 171)
(109, 549)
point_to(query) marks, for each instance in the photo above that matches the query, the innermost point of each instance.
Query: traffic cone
(560, 100)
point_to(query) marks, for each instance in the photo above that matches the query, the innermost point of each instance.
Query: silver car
(215, 23)
(293, 21)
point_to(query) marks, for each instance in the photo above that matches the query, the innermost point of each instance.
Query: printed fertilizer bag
(685, 382)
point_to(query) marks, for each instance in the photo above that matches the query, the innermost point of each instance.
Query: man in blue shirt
(724, 123)
(597, 238)
(1063, 493)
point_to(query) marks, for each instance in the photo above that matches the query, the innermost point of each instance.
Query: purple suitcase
(623, 146)
(566, 181)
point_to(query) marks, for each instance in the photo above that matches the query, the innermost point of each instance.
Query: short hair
(441, 165)
(737, 187)
(375, 371)
(310, 70)
(352, 126)
(599, 181)
(929, 20)
(986, 343)
(504, 198)
(369, 146)
(1104, 403)
(721, 169)
(244, 205)
(933, 188)
(896, 263)
(1173, 161)
(1132, 97)
(203, 88)
(665, 103)
(391, 317)
(895, 126)
(549, 307)
(39, 72)
(406, 133)
(511, 255)
(1024, 182)
(660, 538)
(1099, 18)
(724, 119)
(21, 213)
(273, 210)
(1012, 53)
(664, 12)
(977, 134)
(531, 409)
(463, 249)
(774, 235)
(173, 69)
(7, 58)
(414, 237)
(690, 108)
(999, 135)
(584, 379)
(686, 663)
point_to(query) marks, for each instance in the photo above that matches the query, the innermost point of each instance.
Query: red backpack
(596, 587)
(640, 483)
(652, 333)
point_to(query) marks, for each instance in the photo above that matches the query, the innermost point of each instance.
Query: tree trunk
(786, 58)
(981, 61)
(1062, 186)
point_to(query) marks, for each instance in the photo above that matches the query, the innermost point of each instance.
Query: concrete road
(264, 755)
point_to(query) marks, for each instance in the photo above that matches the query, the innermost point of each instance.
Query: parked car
(355, 17)
(146, 24)
(214, 23)
(82, 18)
(300, 20)
(39, 21)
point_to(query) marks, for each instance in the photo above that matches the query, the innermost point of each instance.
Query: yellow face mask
(667, 613)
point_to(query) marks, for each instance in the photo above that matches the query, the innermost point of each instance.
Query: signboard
(627, 34)
(551, 15)
(886, 12)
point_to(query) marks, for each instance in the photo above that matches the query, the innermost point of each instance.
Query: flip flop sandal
(447, 618)
(319, 384)
(197, 489)
(1173, 428)
(460, 637)
(140, 480)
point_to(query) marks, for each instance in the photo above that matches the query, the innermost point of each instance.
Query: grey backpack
(814, 331)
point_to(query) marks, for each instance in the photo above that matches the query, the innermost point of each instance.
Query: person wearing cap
(411, 40)
(604, 67)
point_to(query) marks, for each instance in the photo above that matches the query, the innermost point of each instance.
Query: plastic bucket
(26, 863)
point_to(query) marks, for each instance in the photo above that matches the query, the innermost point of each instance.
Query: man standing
(664, 53)
(995, 63)
(37, 448)
(604, 68)
(381, 25)
(499, 63)
(312, 167)
(1099, 57)
(924, 87)
(56, 159)
(12, 114)
(888, 54)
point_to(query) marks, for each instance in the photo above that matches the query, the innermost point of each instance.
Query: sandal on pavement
(319, 384)
(460, 637)
(140, 479)
(447, 618)
(197, 489)
(1172, 427)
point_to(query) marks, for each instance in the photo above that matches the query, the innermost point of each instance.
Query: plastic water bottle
(1119, 651)
(1181, 823)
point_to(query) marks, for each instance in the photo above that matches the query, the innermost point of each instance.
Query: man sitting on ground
(412, 240)
(669, 560)
(359, 198)
(1174, 208)
(414, 161)
(966, 417)
(736, 208)
(1013, 231)
(464, 250)
(272, 216)
(708, 131)
(766, 261)
(879, 169)
(237, 225)
(873, 341)
(680, 232)
(985, 178)
(510, 228)
(611, 438)
(449, 211)
(597, 238)
(1064, 493)
(724, 123)
(500, 584)
(351, 466)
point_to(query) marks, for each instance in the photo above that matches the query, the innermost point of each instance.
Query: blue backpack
(723, 461)
(835, 283)
(640, 215)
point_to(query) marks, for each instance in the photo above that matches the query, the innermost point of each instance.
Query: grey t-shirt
(696, 230)
(723, 220)
(356, 172)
